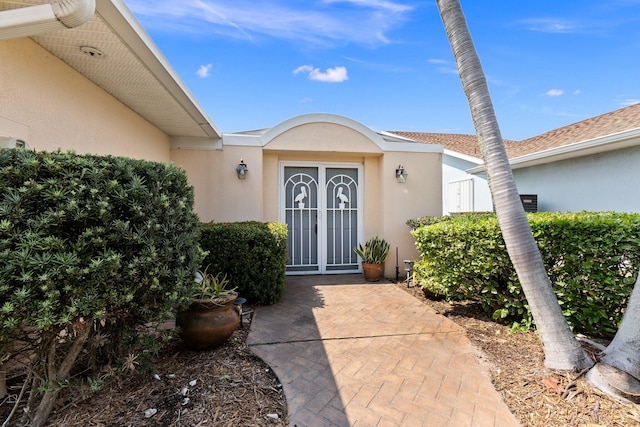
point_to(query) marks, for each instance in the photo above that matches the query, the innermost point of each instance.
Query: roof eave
(616, 141)
(116, 14)
(462, 156)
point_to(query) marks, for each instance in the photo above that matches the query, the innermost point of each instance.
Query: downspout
(45, 18)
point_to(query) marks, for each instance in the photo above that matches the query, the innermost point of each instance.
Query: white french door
(321, 205)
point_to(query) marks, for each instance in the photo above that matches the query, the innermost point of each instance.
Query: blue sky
(387, 64)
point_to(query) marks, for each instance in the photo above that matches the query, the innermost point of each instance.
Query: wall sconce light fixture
(242, 170)
(401, 174)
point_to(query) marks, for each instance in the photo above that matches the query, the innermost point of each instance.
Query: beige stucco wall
(219, 195)
(322, 137)
(51, 106)
(420, 195)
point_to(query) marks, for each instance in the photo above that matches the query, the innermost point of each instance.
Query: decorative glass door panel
(321, 207)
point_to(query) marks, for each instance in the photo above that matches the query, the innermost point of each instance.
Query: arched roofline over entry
(305, 119)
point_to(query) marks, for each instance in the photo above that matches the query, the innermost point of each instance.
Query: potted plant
(373, 254)
(211, 318)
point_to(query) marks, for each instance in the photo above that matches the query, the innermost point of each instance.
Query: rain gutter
(45, 18)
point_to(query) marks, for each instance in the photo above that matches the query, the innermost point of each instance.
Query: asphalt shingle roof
(605, 124)
(460, 143)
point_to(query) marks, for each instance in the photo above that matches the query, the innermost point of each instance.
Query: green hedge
(591, 259)
(90, 246)
(252, 255)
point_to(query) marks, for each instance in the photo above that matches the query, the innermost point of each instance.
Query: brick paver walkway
(351, 353)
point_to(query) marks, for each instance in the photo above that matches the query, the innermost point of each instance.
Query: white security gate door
(321, 207)
(301, 216)
(341, 219)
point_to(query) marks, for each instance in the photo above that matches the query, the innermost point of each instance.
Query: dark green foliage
(591, 259)
(94, 237)
(251, 254)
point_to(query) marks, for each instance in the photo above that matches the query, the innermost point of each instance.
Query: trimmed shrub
(251, 254)
(89, 246)
(591, 259)
(428, 220)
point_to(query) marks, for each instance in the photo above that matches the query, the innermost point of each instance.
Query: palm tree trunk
(624, 351)
(561, 349)
(623, 354)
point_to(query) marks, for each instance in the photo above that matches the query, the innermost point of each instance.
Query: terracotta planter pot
(208, 323)
(372, 272)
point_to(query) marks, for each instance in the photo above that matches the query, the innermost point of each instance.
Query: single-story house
(588, 165)
(92, 81)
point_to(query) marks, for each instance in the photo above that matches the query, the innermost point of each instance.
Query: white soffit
(131, 68)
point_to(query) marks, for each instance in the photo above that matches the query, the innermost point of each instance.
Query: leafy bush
(591, 259)
(89, 244)
(428, 220)
(251, 254)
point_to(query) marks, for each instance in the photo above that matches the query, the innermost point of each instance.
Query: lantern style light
(401, 174)
(242, 170)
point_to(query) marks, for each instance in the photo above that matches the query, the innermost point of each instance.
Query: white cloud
(550, 25)
(554, 92)
(577, 92)
(331, 75)
(375, 4)
(365, 22)
(303, 69)
(204, 71)
(437, 61)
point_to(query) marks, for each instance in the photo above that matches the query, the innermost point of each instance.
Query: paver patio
(351, 353)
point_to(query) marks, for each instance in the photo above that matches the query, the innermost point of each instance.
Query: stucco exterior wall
(600, 182)
(219, 195)
(420, 195)
(51, 106)
(323, 137)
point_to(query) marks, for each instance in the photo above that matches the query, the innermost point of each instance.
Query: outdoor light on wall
(401, 174)
(242, 170)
